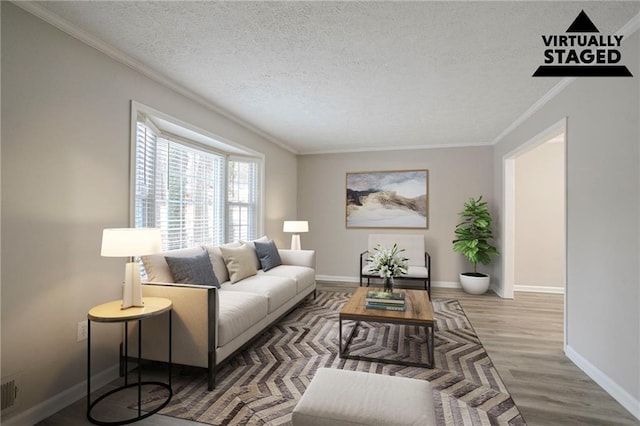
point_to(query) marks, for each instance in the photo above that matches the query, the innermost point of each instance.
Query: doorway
(534, 226)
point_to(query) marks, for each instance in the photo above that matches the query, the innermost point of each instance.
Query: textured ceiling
(341, 76)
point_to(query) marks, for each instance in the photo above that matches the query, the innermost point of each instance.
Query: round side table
(113, 313)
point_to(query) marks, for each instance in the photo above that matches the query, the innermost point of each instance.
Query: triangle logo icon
(582, 24)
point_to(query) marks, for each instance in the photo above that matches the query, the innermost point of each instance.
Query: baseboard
(65, 398)
(538, 289)
(347, 279)
(445, 284)
(337, 279)
(612, 388)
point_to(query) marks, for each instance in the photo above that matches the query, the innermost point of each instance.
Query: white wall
(65, 177)
(603, 283)
(455, 175)
(539, 218)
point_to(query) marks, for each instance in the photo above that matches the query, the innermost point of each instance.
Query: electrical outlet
(82, 331)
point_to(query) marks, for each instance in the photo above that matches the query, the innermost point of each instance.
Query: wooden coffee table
(418, 313)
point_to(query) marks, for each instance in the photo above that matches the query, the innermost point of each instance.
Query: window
(242, 199)
(194, 193)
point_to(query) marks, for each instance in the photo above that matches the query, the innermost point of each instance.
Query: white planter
(475, 284)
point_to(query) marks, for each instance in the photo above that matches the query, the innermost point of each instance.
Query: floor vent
(9, 394)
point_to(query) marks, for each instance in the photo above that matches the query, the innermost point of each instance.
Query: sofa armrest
(194, 325)
(298, 257)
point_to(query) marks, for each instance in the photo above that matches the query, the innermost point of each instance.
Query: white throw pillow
(217, 261)
(251, 244)
(240, 262)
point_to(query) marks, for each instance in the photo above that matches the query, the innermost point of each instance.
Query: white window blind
(193, 194)
(145, 180)
(243, 199)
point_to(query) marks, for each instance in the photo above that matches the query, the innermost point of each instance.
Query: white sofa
(210, 324)
(419, 259)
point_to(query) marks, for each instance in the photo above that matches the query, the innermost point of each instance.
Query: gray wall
(602, 287)
(65, 177)
(455, 174)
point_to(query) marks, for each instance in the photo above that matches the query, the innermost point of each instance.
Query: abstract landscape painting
(387, 199)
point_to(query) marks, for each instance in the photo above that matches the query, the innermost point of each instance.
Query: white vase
(475, 284)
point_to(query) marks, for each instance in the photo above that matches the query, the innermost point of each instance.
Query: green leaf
(474, 232)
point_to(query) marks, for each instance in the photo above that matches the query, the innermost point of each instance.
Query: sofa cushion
(217, 261)
(412, 272)
(267, 254)
(192, 270)
(278, 290)
(238, 311)
(303, 276)
(417, 272)
(156, 266)
(239, 261)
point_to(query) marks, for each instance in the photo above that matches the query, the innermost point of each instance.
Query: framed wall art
(388, 199)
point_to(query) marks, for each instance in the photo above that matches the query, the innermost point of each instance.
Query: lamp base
(132, 291)
(295, 242)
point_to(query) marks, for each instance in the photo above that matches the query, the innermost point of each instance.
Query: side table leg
(139, 368)
(88, 366)
(170, 346)
(126, 353)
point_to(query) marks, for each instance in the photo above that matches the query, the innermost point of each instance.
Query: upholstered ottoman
(343, 397)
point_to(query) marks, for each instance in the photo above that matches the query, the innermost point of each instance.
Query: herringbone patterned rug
(263, 383)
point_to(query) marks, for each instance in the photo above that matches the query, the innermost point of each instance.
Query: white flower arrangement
(388, 262)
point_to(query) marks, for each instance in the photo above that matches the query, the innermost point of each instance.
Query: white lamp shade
(128, 242)
(295, 226)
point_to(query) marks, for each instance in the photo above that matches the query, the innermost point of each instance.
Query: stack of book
(385, 301)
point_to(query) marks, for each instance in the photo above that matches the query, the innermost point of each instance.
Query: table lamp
(295, 226)
(130, 242)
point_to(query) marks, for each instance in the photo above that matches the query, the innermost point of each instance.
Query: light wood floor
(524, 340)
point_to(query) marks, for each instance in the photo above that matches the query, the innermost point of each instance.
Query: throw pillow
(192, 270)
(239, 261)
(251, 244)
(268, 254)
(217, 261)
(156, 267)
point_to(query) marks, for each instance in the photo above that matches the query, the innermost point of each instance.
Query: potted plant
(472, 240)
(388, 263)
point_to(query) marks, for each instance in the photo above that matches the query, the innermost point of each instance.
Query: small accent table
(112, 312)
(419, 313)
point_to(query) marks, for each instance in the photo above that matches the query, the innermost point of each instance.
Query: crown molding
(116, 54)
(46, 15)
(555, 90)
(392, 148)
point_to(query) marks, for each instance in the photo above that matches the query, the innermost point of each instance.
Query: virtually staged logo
(582, 52)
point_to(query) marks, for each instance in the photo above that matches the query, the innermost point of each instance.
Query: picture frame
(387, 199)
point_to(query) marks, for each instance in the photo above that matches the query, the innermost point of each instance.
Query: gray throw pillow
(268, 254)
(192, 270)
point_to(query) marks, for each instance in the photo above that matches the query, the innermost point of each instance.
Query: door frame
(509, 209)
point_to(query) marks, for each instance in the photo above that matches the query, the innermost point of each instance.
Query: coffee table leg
(340, 336)
(344, 352)
(430, 348)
